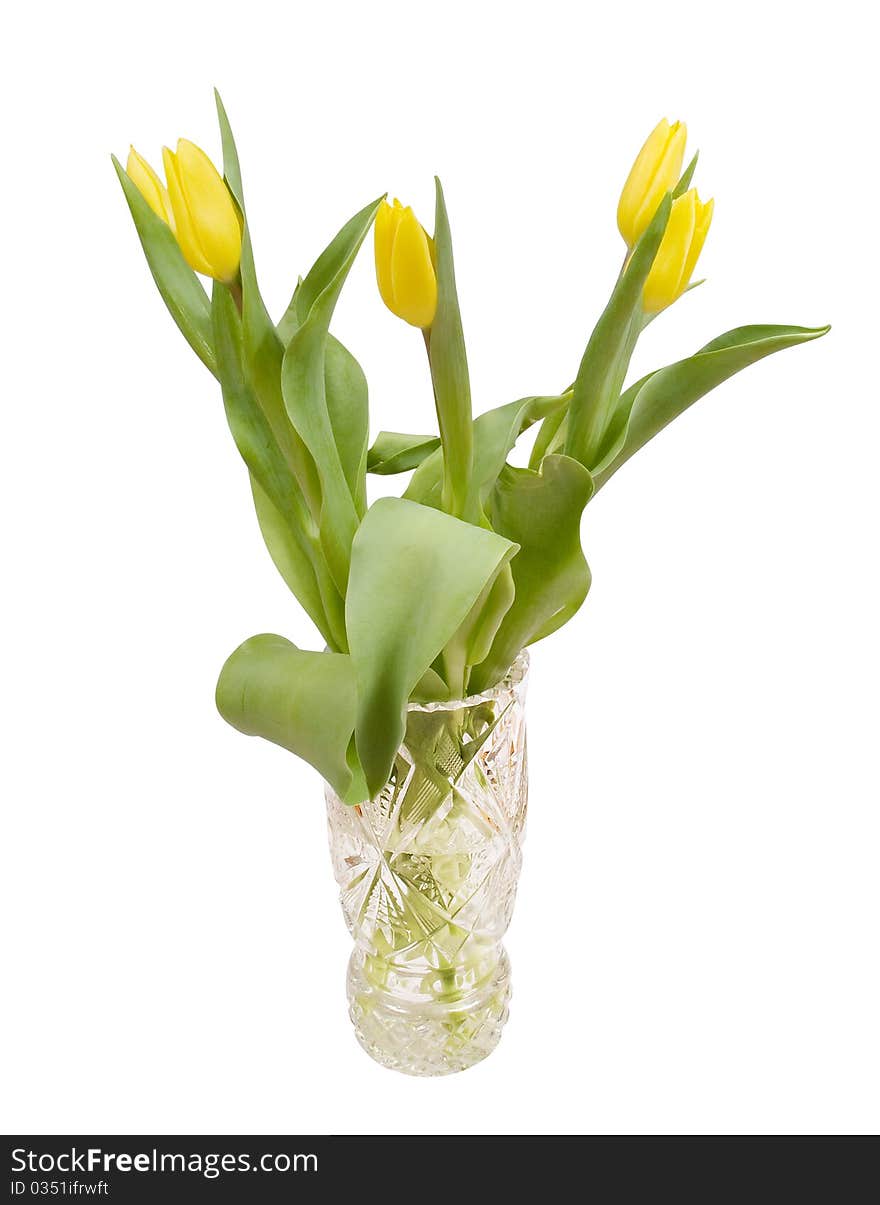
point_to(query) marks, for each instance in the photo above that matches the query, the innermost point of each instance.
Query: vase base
(434, 1037)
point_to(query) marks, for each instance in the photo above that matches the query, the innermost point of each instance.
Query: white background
(695, 945)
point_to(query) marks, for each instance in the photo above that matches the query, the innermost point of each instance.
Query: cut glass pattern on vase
(427, 873)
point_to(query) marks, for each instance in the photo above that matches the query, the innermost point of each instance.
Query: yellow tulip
(679, 251)
(149, 186)
(655, 172)
(197, 206)
(206, 221)
(405, 269)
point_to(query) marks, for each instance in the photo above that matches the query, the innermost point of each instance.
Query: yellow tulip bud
(149, 186)
(206, 221)
(654, 173)
(679, 251)
(405, 269)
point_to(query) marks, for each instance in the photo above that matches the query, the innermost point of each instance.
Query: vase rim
(514, 677)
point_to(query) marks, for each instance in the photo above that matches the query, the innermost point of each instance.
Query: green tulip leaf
(603, 367)
(473, 641)
(305, 393)
(289, 558)
(393, 452)
(303, 701)
(180, 288)
(271, 473)
(551, 433)
(449, 370)
(249, 426)
(687, 175)
(430, 688)
(542, 513)
(654, 401)
(321, 285)
(345, 388)
(345, 385)
(231, 165)
(263, 348)
(302, 566)
(291, 319)
(416, 574)
(495, 433)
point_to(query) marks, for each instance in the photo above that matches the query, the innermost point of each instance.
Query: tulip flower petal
(664, 281)
(701, 229)
(149, 186)
(183, 224)
(665, 177)
(405, 265)
(214, 216)
(384, 232)
(639, 178)
(413, 280)
(655, 171)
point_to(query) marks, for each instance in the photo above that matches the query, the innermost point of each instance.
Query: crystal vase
(427, 874)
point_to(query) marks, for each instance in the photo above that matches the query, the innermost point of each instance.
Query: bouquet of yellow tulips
(432, 595)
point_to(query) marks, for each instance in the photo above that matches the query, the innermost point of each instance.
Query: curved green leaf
(495, 433)
(269, 470)
(345, 388)
(551, 428)
(263, 348)
(415, 576)
(320, 287)
(687, 175)
(291, 319)
(345, 385)
(473, 640)
(303, 701)
(604, 365)
(231, 165)
(654, 401)
(302, 566)
(249, 426)
(180, 288)
(542, 513)
(305, 395)
(393, 452)
(449, 370)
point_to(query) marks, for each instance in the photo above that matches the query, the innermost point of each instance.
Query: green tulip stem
(452, 500)
(551, 429)
(603, 414)
(235, 289)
